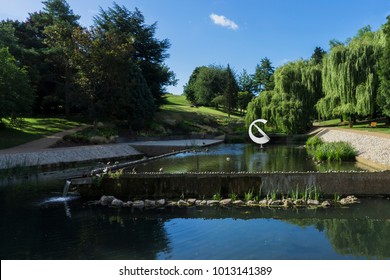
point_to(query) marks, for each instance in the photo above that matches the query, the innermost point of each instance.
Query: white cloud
(223, 21)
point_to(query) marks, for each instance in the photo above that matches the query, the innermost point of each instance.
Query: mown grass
(178, 116)
(381, 127)
(30, 129)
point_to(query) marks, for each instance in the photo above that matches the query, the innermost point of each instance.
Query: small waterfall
(66, 188)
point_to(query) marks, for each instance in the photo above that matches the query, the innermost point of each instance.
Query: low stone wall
(205, 185)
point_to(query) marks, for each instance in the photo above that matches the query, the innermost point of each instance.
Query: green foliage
(350, 76)
(313, 142)
(333, 151)
(230, 92)
(217, 196)
(16, 95)
(205, 83)
(263, 79)
(289, 108)
(233, 196)
(248, 195)
(384, 73)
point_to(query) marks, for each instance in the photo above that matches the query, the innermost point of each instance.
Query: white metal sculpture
(258, 140)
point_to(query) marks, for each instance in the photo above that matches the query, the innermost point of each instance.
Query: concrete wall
(205, 185)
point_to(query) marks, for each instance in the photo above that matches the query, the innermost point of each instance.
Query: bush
(334, 151)
(314, 141)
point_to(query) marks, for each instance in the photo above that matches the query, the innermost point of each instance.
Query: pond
(245, 157)
(37, 223)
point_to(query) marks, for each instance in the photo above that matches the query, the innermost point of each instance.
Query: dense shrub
(330, 151)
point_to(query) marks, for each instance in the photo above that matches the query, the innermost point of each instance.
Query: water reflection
(245, 157)
(46, 231)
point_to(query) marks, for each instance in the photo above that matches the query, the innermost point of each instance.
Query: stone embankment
(373, 147)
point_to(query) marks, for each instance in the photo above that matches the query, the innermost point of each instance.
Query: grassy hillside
(178, 116)
(31, 129)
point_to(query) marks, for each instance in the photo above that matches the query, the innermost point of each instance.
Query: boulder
(106, 200)
(117, 203)
(160, 202)
(181, 203)
(150, 203)
(287, 203)
(275, 203)
(212, 202)
(326, 204)
(238, 203)
(351, 199)
(128, 204)
(198, 202)
(299, 202)
(263, 202)
(138, 204)
(312, 202)
(251, 203)
(191, 201)
(225, 202)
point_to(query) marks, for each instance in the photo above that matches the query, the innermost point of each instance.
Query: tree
(263, 78)
(149, 52)
(318, 55)
(16, 95)
(243, 99)
(384, 73)
(205, 83)
(231, 91)
(245, 82)
(58, 36)
(350, 77)
(289, 107)
(113, 84)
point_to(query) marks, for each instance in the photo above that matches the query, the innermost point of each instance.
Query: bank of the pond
(373, 148)
(52, 158)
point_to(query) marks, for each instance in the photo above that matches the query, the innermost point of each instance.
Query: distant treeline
(50, 64)
(351, 81)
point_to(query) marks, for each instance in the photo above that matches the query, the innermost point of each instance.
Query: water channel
(37, 223)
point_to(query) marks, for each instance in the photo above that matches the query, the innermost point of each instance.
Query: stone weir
(205, 185)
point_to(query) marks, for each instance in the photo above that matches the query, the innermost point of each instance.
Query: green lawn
(32, 129)
(364, 126)
(178, 103)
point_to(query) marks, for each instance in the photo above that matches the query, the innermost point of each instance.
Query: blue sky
(238, 32)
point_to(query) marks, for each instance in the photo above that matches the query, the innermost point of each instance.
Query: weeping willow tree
(289, 108)
(384, 92)
(350, 77)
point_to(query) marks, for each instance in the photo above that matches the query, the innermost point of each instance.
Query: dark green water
(245, 157)
(37, 223)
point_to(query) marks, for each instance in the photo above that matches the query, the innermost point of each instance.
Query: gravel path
(375, 148)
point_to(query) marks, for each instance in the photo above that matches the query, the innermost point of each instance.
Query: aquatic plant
(233, 196)
(249, 195)
(217, 196)
(314, 141)
(330, 151)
